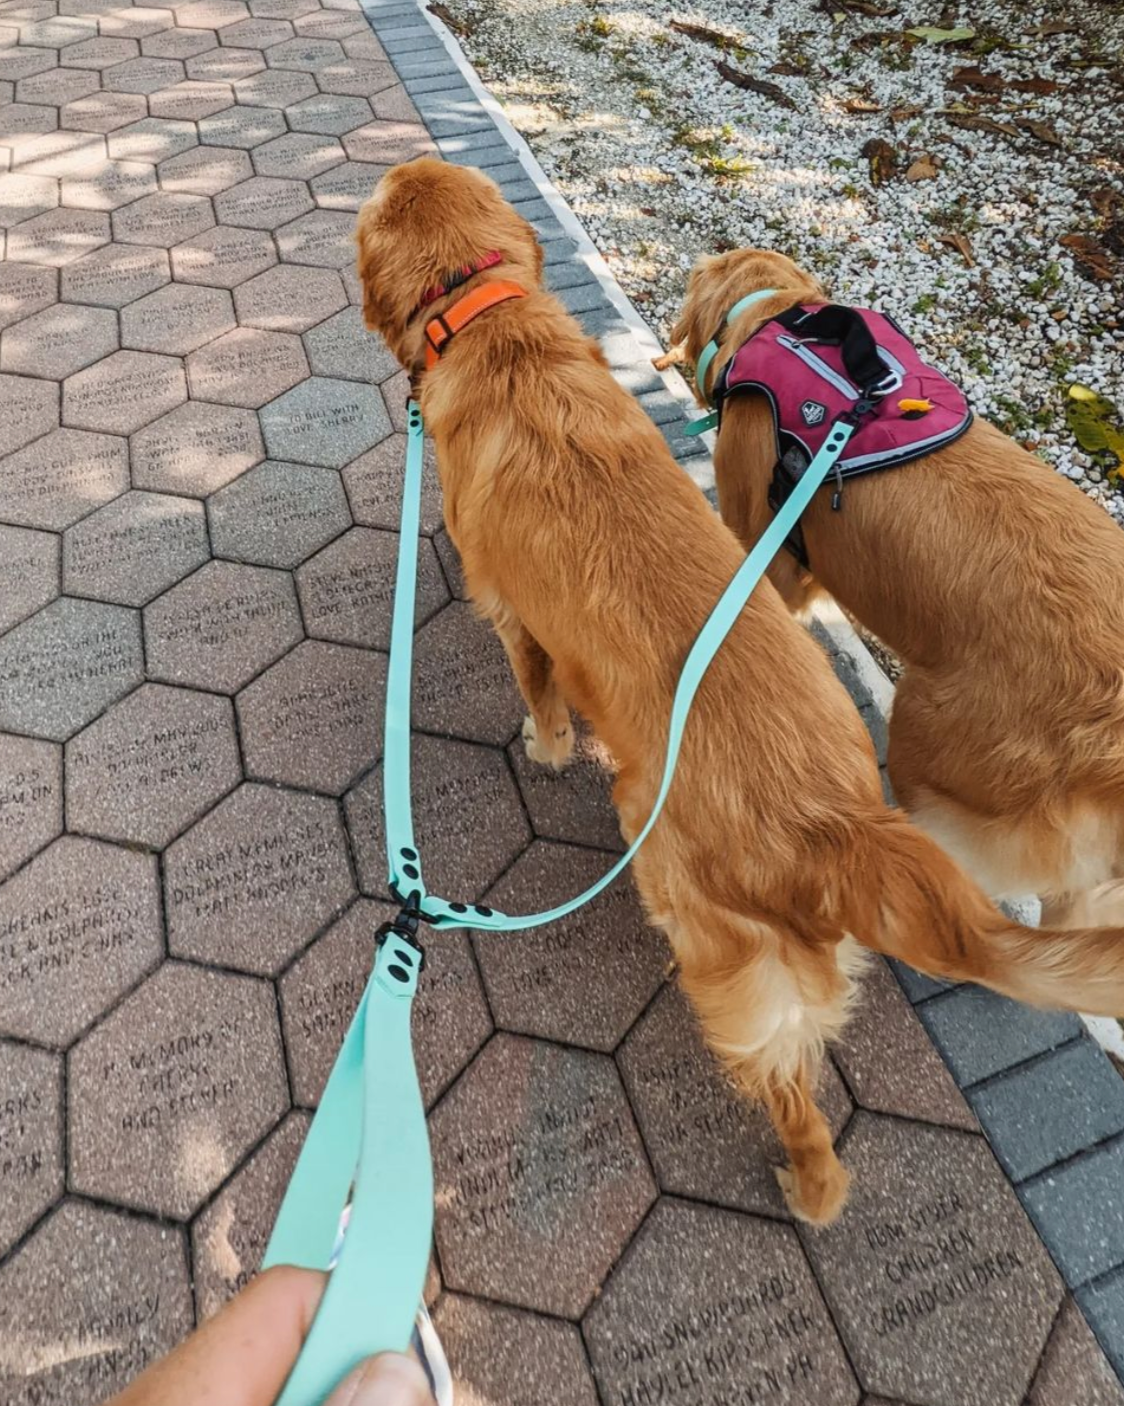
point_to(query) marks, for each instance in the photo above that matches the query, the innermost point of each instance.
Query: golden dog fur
(999, 586)
(598, 561)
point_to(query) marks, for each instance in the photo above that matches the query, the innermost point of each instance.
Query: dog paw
(555, 751)
(814, 1198)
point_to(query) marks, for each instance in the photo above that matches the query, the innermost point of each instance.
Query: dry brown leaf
(983, 124)
(790, 70)
(922, 170)
(1088, 254)
(448, 19)
(961, 243)
(1043, 31)
(1041, 130)
(1042, 86)
(859, 105)
(1108, 204)
(754, 85)
(704, 33)
(975, 78)
(904, 114)
(883, 160)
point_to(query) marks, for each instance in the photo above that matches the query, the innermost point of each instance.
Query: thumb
(387, 1380)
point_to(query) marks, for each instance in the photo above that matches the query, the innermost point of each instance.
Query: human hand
(243, 1355)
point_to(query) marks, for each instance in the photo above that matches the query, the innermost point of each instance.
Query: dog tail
(909, 900)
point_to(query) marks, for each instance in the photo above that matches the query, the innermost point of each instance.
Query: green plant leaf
(941, 36)
(1095, 423)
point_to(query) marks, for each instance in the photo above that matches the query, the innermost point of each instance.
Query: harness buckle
(892, 381)
(405, 926)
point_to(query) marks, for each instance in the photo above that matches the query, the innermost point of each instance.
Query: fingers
(242, 1356)
(387, 1380)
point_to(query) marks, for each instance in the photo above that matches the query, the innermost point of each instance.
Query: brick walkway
(200, 456)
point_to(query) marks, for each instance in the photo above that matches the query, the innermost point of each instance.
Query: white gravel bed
(662, 159)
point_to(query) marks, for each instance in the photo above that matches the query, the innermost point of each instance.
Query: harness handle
(846, 329)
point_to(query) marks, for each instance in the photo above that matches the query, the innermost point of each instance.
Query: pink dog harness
(818, 363)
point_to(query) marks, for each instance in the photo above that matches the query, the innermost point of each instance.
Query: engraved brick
(1073, 1367)
(31, 1167)
(225, 65)
(190, 100)
(463, 684)
(283, 9)
(298, 154)
(241, 127)
(114, 1284)
(19, 63)
(58, 237)
(256, 879)
(61, 477)
(29, 573)
(324, 421)
(347, 186)
(136, 22)
(328, 114)
(278, 514)
(290, 299)
(103, 112)
(374, 480)
(81, 926)
(395, 105)
(257, 34)
(57, 86)
(314, 719)
(362, 78)
(57, 153)
(532, 1138)
(143, 75)
(263, 203)
(24, 197)
(331, 24)
(105, 185)
(56, 32)
(58, 341)
(179, 43)
(274, 88)
(574, 804)
(188, 1073)
(30, 804)
(152, 139)
(115, 276)
(177, 319)
(163, 220)
(31, 409)
(306, 54)
(134, 548)
(342, 347)
(325, 238)
(387, 143)
(26, 118)
(97, 54)
(246, 367)
(212, 14)
(196, 450)
(223, 257)
(205, 170)
(123, 392)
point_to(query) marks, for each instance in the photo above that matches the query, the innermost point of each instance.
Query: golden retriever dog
(999, 586)
(598, 561)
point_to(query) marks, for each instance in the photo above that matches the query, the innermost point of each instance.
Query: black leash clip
(405, 926)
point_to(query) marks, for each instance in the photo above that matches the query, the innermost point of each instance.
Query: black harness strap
(846, 329)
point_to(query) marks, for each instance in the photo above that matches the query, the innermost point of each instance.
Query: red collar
(440, 332)
(462, 275)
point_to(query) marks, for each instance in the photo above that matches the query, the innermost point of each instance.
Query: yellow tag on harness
(915, 407)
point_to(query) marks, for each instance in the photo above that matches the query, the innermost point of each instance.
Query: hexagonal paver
(25, 118)
(116, 1285)
(55, 33)
(329, 115)
(307, 54)
(29, 573)
(137, 22)
(256, 33)
(151, 766)
(187, 1074)
(58, 341)
(177, 319)
(81, 926)
(96, 54)
(223, 257)
(934, 1274)
(540, 985)
(274, 88)
(31, 409)
(205, 170)
(532, 1139)
(247, 367)
(222, 626)
(241, 127)
(24, 290)
(468, 819)
(196, 450)
(315, 718)
(23, 197)
(463, 684)
(104, 185)
(890, 1063)
(705, 1137)
(57, 153)
(282, 9)
(61, 477)
(228, 1240)
(57, 86)
(290, 299)
(324, 421)
(278, 514)
(387, 143)
(501, 1354)
(575, 804)
(212, 14)
(331, 24)
(252, 883)
(263, 203)
(299, 154)
(30, 804)
(343, 347)
(1073, 1356)
(347, 590)
(363, 78)
(374, 481)
(103, 112)
(31, 1156)
(709, 1306)
(152, 139)
(143, 75)
(115, 276)
(20, 62)
(134, 548)
(225, 66)
(325, 238)
(347, 186)
(163, 220)
(123, 392)
(58, 237)
(179, 43)
(321, 990)
(191, 100)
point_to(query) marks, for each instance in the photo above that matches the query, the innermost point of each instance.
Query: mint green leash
(710, 420)
(368, 1142)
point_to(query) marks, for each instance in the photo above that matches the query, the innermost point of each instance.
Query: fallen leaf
(1043, 31)
(1042, 86)
(941, 36)
(1090, 417)
(859, 105)
(754, 85)
(789, 70)
(903, 114)
(704, 33)
(974, 77)
(839, 8)
(449, 20)
(1108, 204)
(883, 160)
(983, 124)
(922, 170)
(1040, 130)
(1088, 255)
(961, 243)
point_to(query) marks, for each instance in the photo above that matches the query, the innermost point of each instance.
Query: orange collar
(440, 332)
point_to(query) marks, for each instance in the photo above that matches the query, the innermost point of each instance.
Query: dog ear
(375, 310)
